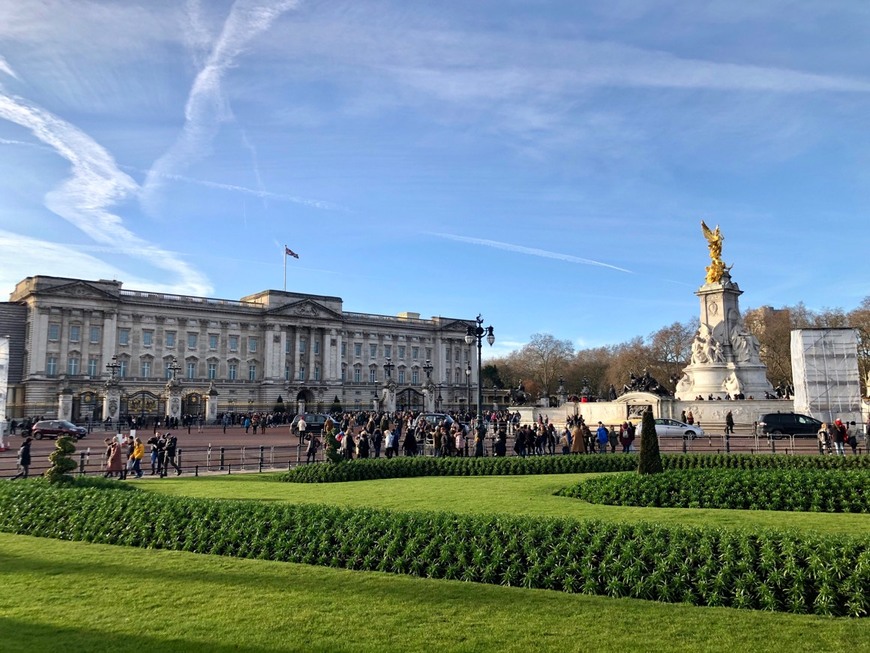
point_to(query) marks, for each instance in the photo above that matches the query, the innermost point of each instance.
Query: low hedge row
(808, 490)
(761, 570)
(405, 467)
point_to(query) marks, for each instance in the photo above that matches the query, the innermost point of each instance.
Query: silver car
(671, 428)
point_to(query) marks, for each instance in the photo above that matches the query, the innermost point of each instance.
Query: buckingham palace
(91, 350)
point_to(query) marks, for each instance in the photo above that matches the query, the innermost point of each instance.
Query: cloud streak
(207, 106)
(6, 68)
(529, 251)
(95, 184)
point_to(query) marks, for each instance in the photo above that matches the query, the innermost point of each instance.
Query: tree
(859, 319)
(650, 456)
(671, 350)
(490, 376)
(542, 360)
(61, 461)
(773, 328)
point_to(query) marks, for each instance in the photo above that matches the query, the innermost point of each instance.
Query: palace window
(124, 337)
(252, 345)
(92, 367)
(212, 370)
(53, 331)
(147, 338)
(72, 365)
(212, 341)
(170, 339)
(75, 333)
(233, 343)
(51, 366)
(252, 372)
(191, 369)
(232, 371)
(96, 332)
(191, 340)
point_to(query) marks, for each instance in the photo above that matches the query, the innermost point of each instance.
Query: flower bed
(816, 490)
(369, 469)
(770, 570)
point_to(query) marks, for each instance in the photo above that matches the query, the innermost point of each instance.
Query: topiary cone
(61, 462)
(650, 456)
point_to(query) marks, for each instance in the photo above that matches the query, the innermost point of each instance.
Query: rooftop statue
(714, 242)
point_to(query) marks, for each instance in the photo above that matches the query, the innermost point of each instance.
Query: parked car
(314, 422)
(779, 425)
(433, 419)
(667, 428)
(54, 428)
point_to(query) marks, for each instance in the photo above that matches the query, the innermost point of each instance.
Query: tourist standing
(824, 439)
(839, 437)
(603, 435)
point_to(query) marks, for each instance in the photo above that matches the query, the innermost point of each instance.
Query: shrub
(61, 462)
(768, 570)
(831, 490)
(650, 457)
(406, 467)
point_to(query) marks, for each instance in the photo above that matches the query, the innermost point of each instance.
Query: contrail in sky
(531, 251)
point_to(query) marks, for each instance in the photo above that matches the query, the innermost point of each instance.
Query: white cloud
(206, 105)
(96, 184)
(530, 251)
(6, 68)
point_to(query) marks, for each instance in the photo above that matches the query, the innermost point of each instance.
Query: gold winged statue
(714, 242)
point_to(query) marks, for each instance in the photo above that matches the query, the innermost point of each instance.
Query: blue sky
(546, 164)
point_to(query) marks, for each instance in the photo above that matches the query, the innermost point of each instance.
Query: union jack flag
(290, 252)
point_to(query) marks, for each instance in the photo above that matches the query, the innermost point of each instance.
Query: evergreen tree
(61, 461)
(331, 444)
(650, 456)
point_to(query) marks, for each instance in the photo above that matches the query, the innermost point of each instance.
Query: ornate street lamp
(438, 400)
(428, 367)
(388, 369)
(174, 367)
(468, 384)
(478, 333)
(113, 367)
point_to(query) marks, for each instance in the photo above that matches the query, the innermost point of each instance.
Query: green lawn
(518, 495)
(72, 596)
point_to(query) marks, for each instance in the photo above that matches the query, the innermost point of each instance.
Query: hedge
(807, 490)
(782, 571)
(405, 467)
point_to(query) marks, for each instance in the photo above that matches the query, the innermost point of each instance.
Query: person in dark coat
(24, 458)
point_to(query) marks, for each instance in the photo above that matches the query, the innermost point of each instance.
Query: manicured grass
(516, 495)
(57, 595)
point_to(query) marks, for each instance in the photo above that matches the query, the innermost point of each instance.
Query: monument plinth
(725, 355)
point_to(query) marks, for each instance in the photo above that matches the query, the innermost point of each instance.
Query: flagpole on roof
(285, 268)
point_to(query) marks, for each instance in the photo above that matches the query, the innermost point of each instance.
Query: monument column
(65, 404)
(211, 404)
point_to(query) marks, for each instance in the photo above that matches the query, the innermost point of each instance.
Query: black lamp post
(468, 384)
(388, 369)
(428, 367)
(438, 400)
(478, 333)
(173, 368)
(113, 367)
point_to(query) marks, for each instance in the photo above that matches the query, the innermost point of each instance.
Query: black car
(778, 425)
(54, 428)
(314, 423)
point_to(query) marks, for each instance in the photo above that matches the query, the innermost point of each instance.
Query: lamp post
(438, 400)
(428, 367)
(478, 333)
(173, 368)
(113, 367)
(468, 384)
(388, 369)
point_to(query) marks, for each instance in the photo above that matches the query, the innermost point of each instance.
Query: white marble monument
(725, 355)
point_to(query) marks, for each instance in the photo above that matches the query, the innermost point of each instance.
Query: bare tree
(542, 360)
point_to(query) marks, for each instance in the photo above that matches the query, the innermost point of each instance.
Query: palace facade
(251, 354)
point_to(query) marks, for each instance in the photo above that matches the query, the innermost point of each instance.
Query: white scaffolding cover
(824, 365)
(4, 380)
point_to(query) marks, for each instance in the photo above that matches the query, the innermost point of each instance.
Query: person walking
(170, 453)
(136, 457)
(311, 450)
(24, 459)
(114, 459)
(729, 423)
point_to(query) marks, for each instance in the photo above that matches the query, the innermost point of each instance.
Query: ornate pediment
(457, 325)
(79, 290)
(306, 308)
